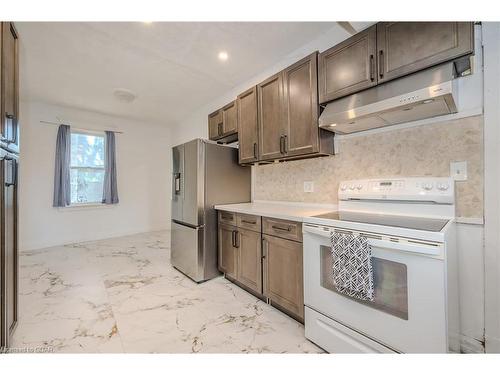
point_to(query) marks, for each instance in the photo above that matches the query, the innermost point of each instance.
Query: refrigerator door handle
(11, 181)
(177, 183)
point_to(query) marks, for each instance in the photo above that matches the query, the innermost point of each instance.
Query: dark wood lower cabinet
(283, 278)
(270, 266)
(249, 259)
(227, 250)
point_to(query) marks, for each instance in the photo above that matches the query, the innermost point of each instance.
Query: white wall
(491, 42)
(143, 170)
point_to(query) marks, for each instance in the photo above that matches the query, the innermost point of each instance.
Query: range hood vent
(429, 93)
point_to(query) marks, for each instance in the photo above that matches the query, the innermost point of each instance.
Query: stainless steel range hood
(425, 94)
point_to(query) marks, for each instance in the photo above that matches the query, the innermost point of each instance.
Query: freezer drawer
(187, 250)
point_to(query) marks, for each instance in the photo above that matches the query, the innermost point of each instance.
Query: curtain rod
(59, 123)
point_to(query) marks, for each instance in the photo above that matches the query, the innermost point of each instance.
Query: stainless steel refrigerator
(204, 174)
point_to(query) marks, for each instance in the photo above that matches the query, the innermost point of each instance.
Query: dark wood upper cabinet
(215, 125)
(223, 123)
(9, 87)
(300, 91)
(271, 124)
(248, 126)
(406, 47)
(349, 66)
(229, 119)
(288, 112)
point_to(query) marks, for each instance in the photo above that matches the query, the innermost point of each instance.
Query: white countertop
(294, 211)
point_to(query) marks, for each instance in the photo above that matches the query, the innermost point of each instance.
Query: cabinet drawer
(291, 230)
(226, 217)
(251, 222)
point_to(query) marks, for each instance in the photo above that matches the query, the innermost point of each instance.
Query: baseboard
(471, 345)
(47, 244)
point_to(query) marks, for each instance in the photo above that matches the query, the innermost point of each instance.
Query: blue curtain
(110, 193)
(62, 191)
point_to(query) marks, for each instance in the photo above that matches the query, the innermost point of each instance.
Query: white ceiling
(172, 67)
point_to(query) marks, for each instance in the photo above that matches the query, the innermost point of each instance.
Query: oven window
(389, 279)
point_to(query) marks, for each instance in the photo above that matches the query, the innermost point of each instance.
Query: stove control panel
(418, 189)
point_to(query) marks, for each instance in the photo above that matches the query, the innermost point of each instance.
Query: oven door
(408, 313)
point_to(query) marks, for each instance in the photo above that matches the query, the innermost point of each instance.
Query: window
(87, 167)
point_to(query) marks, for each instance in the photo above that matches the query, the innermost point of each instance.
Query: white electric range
(409, 223)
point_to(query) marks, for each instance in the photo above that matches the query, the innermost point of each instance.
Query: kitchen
(330, 191)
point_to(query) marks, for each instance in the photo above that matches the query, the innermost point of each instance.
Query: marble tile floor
(122, 295)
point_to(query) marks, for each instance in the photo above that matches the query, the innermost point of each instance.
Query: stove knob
(352, 187)
(443, 187)
(428, 186)
(359, 187)
(343, 187)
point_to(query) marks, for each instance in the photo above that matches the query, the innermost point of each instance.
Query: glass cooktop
(410, 222)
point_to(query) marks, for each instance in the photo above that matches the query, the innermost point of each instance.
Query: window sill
(86, 206)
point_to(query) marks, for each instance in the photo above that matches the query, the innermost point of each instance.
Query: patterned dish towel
(352, 265)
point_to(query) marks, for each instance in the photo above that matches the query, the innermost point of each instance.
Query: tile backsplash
(425, 150)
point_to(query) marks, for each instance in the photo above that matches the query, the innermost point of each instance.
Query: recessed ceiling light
(148, 22)
(223, 56)
(124, 95)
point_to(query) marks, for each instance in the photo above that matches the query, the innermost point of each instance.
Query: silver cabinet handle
(236, 239)
(285, 144)
(282, 148)
(255, 150)
(287, 229)
(248, 222)
(381, 63)
(372, 60)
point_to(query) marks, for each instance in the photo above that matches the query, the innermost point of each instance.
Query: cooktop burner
(410, 222)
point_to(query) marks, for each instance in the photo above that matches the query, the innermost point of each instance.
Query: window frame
(95, 133)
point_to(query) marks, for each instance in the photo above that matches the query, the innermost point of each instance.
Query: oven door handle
(323, 232)
(415, 246)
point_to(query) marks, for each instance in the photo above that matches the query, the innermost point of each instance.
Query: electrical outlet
(458, 170)
(308, 186)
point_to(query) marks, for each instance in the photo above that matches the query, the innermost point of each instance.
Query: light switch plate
(308, 186)
(458, 170)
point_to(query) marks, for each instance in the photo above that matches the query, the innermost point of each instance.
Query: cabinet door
(9, 258)
(10, 87)
(283, 279)
(229, 119)
(348, 67)
(271, 124)
(248, 127)
(405, 47)
(215, 125)
(227, 251)
(300, 89)
(249, 259)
